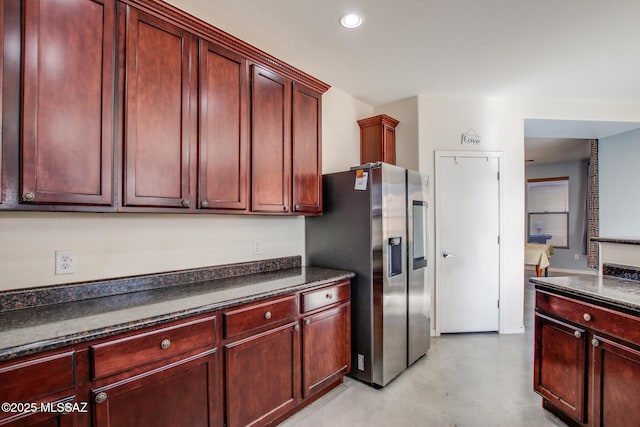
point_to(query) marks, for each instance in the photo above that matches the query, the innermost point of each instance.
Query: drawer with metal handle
(597, 318)
(256, 316)
(324, 297)
(118, 355)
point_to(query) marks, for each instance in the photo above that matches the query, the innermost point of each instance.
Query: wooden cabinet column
(378, 139)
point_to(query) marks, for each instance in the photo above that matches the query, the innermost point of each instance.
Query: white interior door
(467, 241)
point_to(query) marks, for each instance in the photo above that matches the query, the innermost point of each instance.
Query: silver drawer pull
(329, 296)
(577, 334)
(165, 344)
(101, 397)
(586, 317)
(595, 342)
(267, 315)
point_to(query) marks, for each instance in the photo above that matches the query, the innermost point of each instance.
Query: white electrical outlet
(257, 247)
(65, 262)
(576, 256)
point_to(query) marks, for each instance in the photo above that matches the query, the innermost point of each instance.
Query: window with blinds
(548, 209)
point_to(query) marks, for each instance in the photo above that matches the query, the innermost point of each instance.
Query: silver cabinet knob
(185, 203)
(577, 334)
(307, 322)
(595, 342)
(101, 397)
(28, 196)
(267, 315)
(297, 327)
(165, 344)
(204, 204)
(586, 317)
(329, 296)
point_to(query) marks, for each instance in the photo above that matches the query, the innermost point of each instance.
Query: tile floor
(466, 380)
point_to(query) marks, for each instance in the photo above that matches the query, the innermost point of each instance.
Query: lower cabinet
(276, 356)
(616, 385)
(587, 362)
(262, 376)
(560, 374)
(37, 389)
(179, 394)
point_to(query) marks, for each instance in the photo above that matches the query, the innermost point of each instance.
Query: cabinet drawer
(590, 316)
(121, 354)
(256, 316)
(38, 378)
(313, 300)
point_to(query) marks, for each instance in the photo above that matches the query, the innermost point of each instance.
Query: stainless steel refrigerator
(374, 224)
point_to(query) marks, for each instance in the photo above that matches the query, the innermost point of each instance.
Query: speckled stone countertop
(620, 240)
(35, 329)
(612, 291)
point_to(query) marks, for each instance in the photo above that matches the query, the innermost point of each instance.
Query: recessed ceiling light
(351, 20)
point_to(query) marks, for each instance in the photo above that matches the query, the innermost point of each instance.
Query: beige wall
(406, 112)
(340, 130)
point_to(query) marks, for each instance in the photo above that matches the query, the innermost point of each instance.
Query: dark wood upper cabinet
(223, 129)
(159, 79)
(270, 141)
(307, 150)
(67, 102)
(378, 139)
(1, 96)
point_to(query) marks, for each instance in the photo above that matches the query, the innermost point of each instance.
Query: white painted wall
(407, 146)
(618, 157)
(442, 120)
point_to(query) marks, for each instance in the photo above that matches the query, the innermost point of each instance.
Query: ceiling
(575, 50)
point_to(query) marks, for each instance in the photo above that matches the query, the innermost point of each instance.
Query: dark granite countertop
(612, 291)
(40, 328)
(620, 240)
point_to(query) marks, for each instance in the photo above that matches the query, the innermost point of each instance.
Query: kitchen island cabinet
(206, 354)
(587, 350)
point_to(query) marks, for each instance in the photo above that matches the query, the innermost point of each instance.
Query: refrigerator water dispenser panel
(395, 256)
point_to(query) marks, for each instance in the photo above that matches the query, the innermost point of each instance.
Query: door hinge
(498, 239)
(498, 173)
(498, 303)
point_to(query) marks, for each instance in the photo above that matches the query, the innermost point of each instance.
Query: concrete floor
(466, 380)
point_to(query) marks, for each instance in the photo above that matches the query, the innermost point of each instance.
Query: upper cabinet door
(307, 150)
(270, 141)
(67, 119)
(159, 77)
(222, 129)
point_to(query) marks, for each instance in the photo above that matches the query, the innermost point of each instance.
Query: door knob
(446, 254)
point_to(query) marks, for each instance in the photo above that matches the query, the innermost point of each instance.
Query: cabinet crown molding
(379, 119)
(208, 31)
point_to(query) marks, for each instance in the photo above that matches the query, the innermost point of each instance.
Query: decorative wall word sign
(471, 137)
